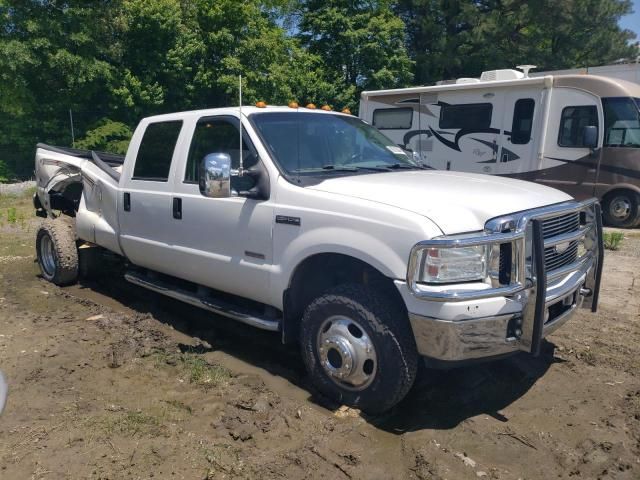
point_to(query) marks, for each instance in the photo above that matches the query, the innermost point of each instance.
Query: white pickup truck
(319, 227)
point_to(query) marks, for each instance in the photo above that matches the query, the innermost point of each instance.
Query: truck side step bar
(207, 302)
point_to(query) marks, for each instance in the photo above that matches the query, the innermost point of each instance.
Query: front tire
(358, 348)
(621, 209)
(57, 252)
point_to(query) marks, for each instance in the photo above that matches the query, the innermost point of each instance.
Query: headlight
(449, 265)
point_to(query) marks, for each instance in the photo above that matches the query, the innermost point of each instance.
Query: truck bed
(111, 159)
(83, 184)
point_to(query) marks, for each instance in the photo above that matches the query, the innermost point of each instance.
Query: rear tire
(57, 252)
(358, 348)
(621, 209)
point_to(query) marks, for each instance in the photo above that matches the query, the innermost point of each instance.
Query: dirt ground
(110, 381)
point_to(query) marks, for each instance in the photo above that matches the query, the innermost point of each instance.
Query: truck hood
(456, 202)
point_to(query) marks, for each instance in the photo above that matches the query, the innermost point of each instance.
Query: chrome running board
(209, 303)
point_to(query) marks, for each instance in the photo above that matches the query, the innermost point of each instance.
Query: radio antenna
(240, 169)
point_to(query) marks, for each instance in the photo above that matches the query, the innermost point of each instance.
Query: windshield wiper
(399, 166)
(353, 168)
(339, 168)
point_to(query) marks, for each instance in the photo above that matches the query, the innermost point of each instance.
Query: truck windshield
(622, 122)
(318, 143)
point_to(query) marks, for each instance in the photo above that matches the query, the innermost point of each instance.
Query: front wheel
(621, 209)
(359, 350)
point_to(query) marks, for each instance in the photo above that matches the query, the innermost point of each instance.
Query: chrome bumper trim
(458, 340)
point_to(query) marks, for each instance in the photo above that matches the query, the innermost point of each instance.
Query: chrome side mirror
(215, 175)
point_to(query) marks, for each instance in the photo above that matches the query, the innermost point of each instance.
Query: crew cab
(313, 224)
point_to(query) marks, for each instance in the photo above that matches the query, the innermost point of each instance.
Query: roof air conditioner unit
(467, 80)
(498, 75)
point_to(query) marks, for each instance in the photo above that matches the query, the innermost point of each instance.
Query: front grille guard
(524, 231)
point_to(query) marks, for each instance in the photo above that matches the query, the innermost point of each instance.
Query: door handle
(177, 208)
(127, 202)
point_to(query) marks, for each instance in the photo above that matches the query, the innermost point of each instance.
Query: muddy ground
(112, 381)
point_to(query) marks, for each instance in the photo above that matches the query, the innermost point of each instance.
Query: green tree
(360, 42)
(54, 57)
(4, 172)
(457, 38)
(244, 38)
(107, 136)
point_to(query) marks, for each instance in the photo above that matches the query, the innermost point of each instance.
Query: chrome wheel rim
(620, 208)
(346, 352)
(47, 255)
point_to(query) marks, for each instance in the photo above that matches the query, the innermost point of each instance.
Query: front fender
(390, 259)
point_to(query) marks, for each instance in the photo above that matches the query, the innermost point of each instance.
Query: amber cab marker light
(326, 108)
(293, 104)
(311, 106)
(261, 104)
(346, 110)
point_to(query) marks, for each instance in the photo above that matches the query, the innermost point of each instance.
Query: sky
(632, 22)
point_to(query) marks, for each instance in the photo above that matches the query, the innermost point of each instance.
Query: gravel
(16, 188)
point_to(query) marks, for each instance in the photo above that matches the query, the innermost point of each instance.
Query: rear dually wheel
(57, 252)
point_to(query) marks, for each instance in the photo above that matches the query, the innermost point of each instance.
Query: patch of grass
(12, 216)
(15, 210)
(612, 240)
(195, 368)
(130, 423)
(178, 405)
(203, 374)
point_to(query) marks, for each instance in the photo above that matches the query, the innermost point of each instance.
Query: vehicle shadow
(440, 399)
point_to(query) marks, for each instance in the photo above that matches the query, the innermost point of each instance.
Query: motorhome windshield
(313, 143)
(622, 122)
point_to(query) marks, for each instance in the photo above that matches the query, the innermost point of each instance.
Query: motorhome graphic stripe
(505, 151)
(627, 172)
(455, 145)
(409, 135)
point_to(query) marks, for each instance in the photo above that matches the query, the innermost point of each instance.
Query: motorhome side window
(472, 116)
(621, 122)
(392, 118)
(522, 121)
(572, 123)
(217, 135)
(156, 151)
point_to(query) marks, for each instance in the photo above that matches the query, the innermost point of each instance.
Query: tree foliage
(458, 38)
(107, 63)
(360, 42)
(107, 136)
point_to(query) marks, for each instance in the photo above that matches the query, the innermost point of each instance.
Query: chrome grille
(554, 257)
(559, 225)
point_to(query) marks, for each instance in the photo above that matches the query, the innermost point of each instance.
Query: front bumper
(458, 325)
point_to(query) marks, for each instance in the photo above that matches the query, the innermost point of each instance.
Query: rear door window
(471, 116)
(572, 123)
(153, 161)
(522, 121)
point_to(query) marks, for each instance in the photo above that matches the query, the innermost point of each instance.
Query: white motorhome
(578, 133)
(624, 70)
